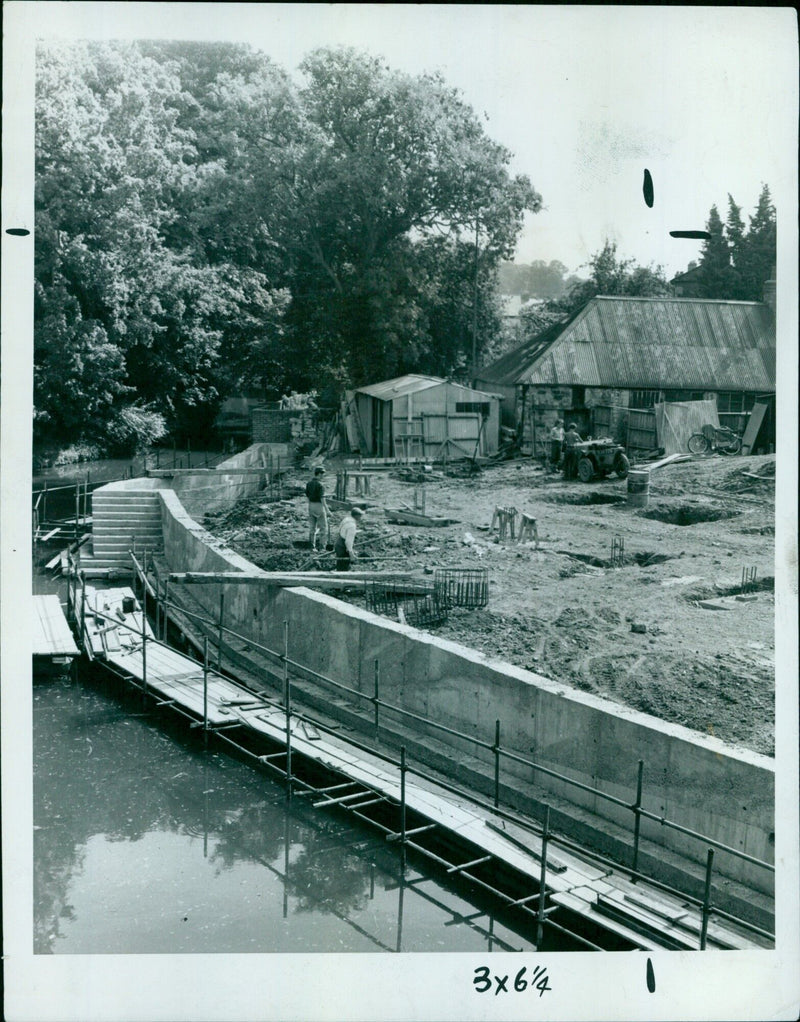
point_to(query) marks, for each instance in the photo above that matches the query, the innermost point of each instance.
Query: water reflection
(145, 844)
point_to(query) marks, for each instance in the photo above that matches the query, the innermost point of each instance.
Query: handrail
(633, 806)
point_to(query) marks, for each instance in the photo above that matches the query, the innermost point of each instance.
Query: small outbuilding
(427, 418)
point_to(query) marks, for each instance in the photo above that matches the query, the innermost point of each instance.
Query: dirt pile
(636, 633)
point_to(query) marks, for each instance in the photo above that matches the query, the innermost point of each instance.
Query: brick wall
(271, 425)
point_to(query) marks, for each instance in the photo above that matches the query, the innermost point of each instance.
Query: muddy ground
(638, 634)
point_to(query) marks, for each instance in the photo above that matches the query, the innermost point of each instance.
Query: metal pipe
(219, 640)
(144, 645)
(403, 806)
(706, 900)
(540, 916)
(287, 695)
(165, 620)
(486, 745)
(708, 840)
(496, 763)
(376, 698)
(205, 689)
(637, 819)
(83, 608)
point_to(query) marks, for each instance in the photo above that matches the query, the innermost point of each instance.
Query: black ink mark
(18, 232)
(699, 235)
(651, 977)
(647, 188)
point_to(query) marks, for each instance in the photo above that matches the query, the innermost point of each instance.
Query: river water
(147, 843)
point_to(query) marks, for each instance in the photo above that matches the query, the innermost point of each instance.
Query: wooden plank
(281, 578)
(168, 473)
(753, 426)
(51, 634)
(401, 517)
(651, 465)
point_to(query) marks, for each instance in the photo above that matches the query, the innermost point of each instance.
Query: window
(735, 401)
(643, 398)
(464, 407)
(578, 397)
(683, 395)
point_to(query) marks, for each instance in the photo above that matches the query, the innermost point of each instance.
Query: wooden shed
(426, 418)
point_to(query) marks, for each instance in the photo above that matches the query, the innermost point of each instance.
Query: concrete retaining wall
(204, 492)
(695, 781)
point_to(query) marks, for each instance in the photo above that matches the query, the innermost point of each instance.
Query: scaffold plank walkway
(635, 912)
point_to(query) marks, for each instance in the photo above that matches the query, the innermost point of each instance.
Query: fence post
(637, 808)
(77, 508)
(44, 502)
(540, 917)
(164, 619)
(496, 763)
(83, 609)
(219, 638)
(205, 690)
(287, 696)
(376, 697)
(144, 641)
(403, 806)
(706, 900)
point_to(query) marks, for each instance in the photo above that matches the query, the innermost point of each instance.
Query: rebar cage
(462, 587)
(418, 601)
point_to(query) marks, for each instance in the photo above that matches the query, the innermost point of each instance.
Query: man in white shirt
(556, 443)
(345, 539)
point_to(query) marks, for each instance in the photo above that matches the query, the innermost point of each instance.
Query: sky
(586, 98)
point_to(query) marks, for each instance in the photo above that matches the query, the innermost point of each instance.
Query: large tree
(383, 162)
(735, 262)
(127, 306)
(205, 224)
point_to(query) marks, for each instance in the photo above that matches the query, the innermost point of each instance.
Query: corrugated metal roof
(390, 389)
(652, 343)
(412, 384)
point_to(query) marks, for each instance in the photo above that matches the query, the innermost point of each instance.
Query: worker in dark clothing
(345, 539)
(317, 510)
(571, 438)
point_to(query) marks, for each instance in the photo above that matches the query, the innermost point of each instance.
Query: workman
(344, 541)
(556, 443)
(317, 510)
(571, 438)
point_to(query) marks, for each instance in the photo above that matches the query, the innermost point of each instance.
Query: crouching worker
(345, 539)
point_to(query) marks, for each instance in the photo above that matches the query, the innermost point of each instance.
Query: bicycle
(715, 438)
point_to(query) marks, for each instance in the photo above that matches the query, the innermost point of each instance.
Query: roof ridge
(671, 298)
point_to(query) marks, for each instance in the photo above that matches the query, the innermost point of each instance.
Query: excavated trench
(593, 497)
(688, 514)
(643, 559)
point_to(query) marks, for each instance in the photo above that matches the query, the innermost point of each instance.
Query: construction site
(593, 661)
(667, 608)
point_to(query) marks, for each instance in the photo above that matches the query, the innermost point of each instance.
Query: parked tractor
(599, 458)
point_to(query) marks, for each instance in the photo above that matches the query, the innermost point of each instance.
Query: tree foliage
(205, 224)
(737, 261)
(609, 275)
(538, 279)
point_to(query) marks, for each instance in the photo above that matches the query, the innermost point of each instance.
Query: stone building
(608, 366)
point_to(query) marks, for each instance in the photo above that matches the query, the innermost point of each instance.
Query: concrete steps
(122, 521)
